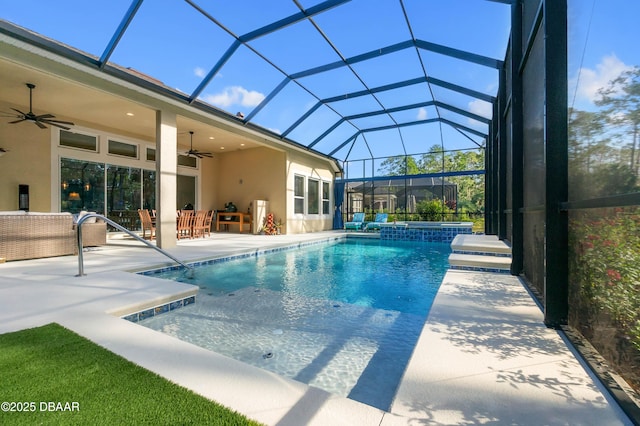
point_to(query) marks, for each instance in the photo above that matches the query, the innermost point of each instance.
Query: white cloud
(422, 114)
(589, 81)
(235, 95)
(481, 108)
(199, 72)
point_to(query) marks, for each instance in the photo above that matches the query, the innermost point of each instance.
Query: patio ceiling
(349, 79)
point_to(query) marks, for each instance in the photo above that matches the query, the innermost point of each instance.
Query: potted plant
(278, 226)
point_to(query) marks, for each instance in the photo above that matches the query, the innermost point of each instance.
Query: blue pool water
(397, 276)
(343, 316)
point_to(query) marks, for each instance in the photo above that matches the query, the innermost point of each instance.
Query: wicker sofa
(94, 232)
(34, 235)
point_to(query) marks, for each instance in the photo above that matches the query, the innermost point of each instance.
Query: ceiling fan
(39, 120)
(195, 152)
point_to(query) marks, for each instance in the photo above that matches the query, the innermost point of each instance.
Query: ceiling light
(211, 138)
(130, 114)
(222, 147)
(241, 144)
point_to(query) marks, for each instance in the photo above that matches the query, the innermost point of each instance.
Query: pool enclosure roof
(348, 79)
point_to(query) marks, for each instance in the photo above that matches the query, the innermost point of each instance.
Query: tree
(470, 187)
(621, 105)
(399, 166)
(432, 160)
(585, 138)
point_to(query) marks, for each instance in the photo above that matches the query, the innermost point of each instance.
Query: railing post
(80, 257)
(123, 229)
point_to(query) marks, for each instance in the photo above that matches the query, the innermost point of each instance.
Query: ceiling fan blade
(47, 120)
(43, 116)
(18, 111)
(17, 121)
(56, 124)
(39, 124)
(207, 154)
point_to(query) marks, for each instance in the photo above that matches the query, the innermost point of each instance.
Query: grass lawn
(93, 386)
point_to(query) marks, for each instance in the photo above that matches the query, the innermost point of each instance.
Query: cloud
(422, 114)
(199, 72)
(588, 81)
(481, 108)
(235, 95)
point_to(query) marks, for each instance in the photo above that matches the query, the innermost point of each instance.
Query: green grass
(52, 363)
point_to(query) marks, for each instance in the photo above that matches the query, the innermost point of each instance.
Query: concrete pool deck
(484, 355)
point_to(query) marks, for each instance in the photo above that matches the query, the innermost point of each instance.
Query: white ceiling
(93, 108)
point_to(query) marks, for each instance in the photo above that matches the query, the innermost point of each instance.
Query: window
(123, 149)
(186, 191)
(298, 194)
(79, 141)
(151, 154)
(187, 161)
(149, 189)
(313, 201)
(325, 198)
(82, 186)
(124, 187)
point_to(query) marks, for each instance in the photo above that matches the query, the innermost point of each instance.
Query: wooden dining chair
(208, 222)
(146, 223)
(198, 223)
(185, 223)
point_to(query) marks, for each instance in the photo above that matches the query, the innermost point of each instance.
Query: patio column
(517, 138)
(556, 287)
(166, 173)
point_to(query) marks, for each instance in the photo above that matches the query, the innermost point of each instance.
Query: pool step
(485, 253)
(480, 244)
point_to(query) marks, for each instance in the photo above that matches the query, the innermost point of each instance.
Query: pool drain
(268, 355)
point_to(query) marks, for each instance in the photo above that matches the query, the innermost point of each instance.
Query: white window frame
(297, 197)
(325, 201)
(313, 207)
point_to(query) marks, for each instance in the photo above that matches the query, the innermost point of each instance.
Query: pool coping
(261, 395)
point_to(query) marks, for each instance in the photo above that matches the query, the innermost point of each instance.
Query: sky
(603, 39)
(179, 45)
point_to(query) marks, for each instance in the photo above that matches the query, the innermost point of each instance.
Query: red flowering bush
(605, 268)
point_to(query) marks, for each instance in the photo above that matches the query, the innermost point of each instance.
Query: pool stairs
(485, 253)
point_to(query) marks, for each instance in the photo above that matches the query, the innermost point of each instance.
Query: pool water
(343, 317)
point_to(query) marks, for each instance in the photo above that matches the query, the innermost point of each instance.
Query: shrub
(607, 265)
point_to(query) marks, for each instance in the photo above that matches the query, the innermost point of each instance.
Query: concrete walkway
(484, 356)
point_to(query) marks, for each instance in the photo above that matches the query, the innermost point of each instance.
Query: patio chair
(199, 223)
(208, 220)
(356, 223)
(185, 224)
(146, 223)
(375, 225)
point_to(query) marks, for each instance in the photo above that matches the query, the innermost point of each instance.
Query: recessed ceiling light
(130, 114)
(222, 147)
(211, 138)
(241, 144)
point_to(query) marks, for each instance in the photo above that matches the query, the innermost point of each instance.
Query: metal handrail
(121, 228)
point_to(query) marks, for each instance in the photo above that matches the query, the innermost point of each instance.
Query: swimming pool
(342, 316)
